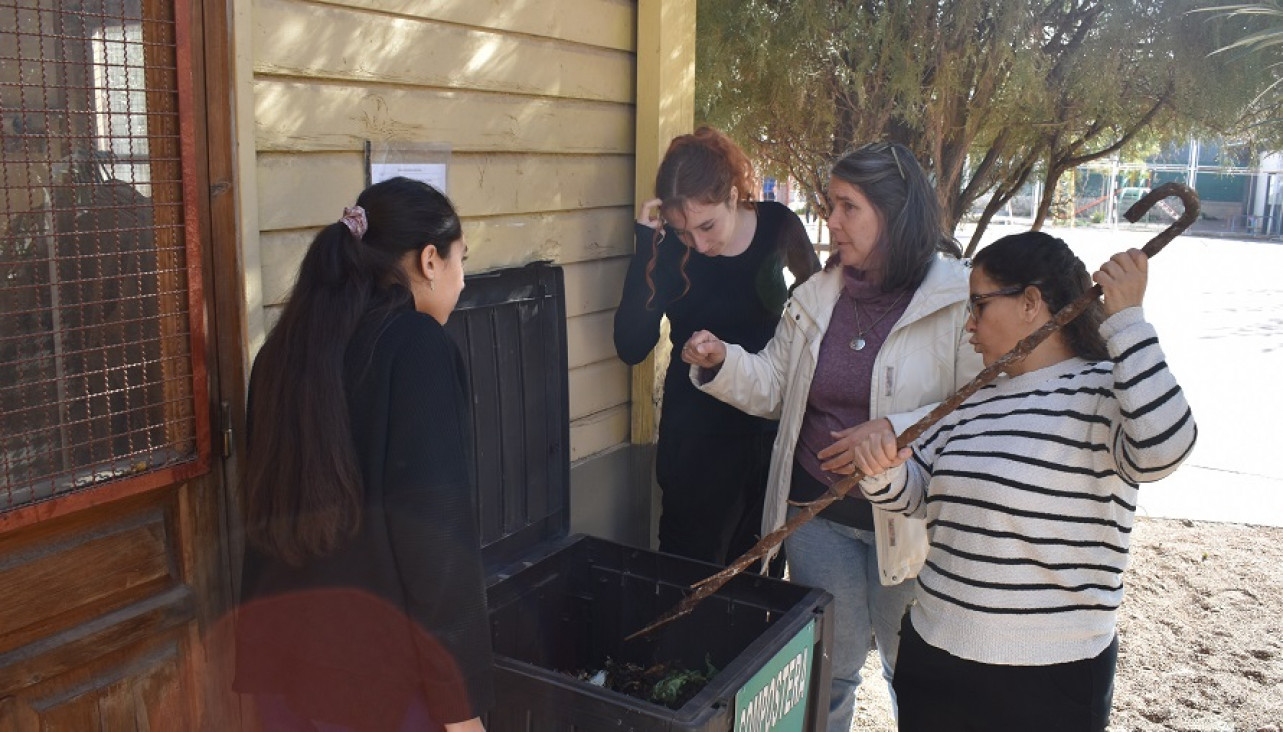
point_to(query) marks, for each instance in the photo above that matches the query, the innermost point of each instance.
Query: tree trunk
(995, 203)
(999, 199)
(1048, 197)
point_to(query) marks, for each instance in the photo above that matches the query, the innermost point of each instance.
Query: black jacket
(399, 611)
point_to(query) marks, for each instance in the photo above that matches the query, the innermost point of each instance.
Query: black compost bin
(562, 606)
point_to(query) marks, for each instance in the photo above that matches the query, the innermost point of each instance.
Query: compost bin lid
(510, 325)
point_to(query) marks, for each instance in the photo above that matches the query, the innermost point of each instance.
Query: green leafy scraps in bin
(661, 683)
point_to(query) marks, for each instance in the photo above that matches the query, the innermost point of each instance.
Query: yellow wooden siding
(280, 253)
(599, 381)
(335, 43)
(537, 107)
(296, 191)
(303, 116)
(590, 338)
(510, 183)
(606, 23)
(600, 431)
(598, 387)
(565, 237)
(592, 287)
(500, 241)
(572, 203)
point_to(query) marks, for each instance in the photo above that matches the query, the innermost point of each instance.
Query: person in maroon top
(863, 347)
(709, 257)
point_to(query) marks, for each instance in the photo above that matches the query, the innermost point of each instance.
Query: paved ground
(1218, 307)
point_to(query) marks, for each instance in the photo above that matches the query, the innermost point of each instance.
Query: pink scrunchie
(354, 219)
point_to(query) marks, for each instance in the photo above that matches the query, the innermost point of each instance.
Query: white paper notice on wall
(428, 162)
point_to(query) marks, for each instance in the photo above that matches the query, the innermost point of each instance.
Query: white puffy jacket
(926, 357)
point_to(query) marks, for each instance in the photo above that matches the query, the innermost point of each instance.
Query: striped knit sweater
(1029, 491)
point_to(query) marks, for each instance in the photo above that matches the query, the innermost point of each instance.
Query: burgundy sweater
(839, 396)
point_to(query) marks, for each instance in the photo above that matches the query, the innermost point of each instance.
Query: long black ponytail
(303, 489)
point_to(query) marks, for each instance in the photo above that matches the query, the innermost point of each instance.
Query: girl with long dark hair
(363, 591)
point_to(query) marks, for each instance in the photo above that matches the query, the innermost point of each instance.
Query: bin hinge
(225, 418)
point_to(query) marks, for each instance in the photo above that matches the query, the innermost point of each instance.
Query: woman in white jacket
(864, 347)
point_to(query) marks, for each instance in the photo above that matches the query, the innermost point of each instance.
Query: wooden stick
(709, 585)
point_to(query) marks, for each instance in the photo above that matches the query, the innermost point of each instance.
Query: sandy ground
(1201, 633)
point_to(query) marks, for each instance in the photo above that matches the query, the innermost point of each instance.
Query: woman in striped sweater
(1029, 491)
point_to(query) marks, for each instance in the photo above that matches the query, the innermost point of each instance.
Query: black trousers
(713, 488)
(939, 692)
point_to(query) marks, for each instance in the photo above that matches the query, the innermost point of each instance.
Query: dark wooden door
(119, 347)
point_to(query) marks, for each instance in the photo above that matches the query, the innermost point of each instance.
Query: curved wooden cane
(712, 584)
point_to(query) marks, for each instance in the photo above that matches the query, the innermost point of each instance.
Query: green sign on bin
(775, 698)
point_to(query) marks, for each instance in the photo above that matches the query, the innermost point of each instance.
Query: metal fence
(96, 363)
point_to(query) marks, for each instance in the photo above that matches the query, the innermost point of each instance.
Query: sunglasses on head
(881, 147)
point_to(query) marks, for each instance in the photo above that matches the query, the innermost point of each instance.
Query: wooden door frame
(202, 508)
(212, 58)
(227, 345)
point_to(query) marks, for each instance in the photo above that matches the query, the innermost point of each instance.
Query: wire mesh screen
(96, 369)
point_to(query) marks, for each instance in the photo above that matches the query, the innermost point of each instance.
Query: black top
(333, 636)
(739, 299)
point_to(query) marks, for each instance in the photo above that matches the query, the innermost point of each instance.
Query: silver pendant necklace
(858, 343)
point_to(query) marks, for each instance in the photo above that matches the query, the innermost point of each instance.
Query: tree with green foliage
(1255, 31)
(987, 93)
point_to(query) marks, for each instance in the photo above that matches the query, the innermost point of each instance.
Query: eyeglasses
(975, 302)
(877, 147)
